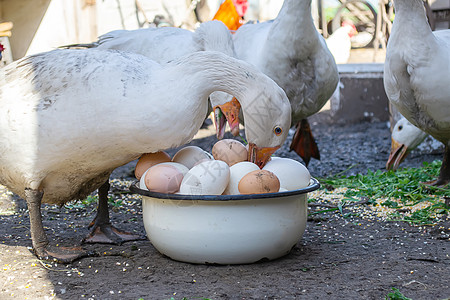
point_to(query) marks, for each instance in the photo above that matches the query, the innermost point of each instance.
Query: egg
(182, 168)
(237, 171)
(148, 160)
(202, 160)
(259, 182)
(292, 174)
(207, 178)
(142, 181)
(190, 155)
(163, 178)
(229, 151)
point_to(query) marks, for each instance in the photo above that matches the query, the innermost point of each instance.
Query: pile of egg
(193, 171)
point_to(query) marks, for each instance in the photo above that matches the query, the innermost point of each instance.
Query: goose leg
(102, 230)
(303, 142)
(444, 174)
(41, 245)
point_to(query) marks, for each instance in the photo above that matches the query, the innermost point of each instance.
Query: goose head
(265, 109)
(405, 138)
(267, 119)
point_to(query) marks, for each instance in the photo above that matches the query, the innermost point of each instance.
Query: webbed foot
(303, 142)
(108, 234)
(63, 255)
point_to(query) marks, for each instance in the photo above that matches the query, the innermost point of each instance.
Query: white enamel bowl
(225, 229)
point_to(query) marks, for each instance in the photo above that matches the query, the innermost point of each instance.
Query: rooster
(339, 43)
(2, 48)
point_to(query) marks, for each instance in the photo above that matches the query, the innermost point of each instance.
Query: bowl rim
(313, 185)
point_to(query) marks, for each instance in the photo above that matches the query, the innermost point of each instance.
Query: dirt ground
(337, 258)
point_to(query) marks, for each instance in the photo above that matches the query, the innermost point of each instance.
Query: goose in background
(291, 51)
(405, 137)
(417, 75)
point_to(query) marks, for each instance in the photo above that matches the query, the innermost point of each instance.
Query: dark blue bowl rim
(314, 185)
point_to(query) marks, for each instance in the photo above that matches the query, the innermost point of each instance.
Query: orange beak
(398, 154)
(231, 111)
(260, 156)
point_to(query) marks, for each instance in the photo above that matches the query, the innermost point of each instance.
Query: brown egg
(259, 182)
(148, 160)
(163, 179)
(229, 151)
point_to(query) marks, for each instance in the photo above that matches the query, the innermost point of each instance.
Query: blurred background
(31, 26)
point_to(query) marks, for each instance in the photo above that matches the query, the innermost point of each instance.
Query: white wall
(121, 14)
(73, 21)
(65, 22)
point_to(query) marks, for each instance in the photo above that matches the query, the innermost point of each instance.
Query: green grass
(93, 200)
(404, 185)
(396, 295)
(89, 200)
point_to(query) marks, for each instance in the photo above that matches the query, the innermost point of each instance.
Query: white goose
(405, 138)
(68, 118)
(291, 52)
(417, 75)
(165, 44)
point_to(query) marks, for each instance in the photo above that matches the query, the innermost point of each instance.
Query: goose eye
(277, 130)
(400, 127)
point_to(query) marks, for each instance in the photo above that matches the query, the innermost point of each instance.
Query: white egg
(292, 174)
(237, 171)
(202, 160)
(274, 157)
(142, 185)
(207, 178)
(190, 155)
